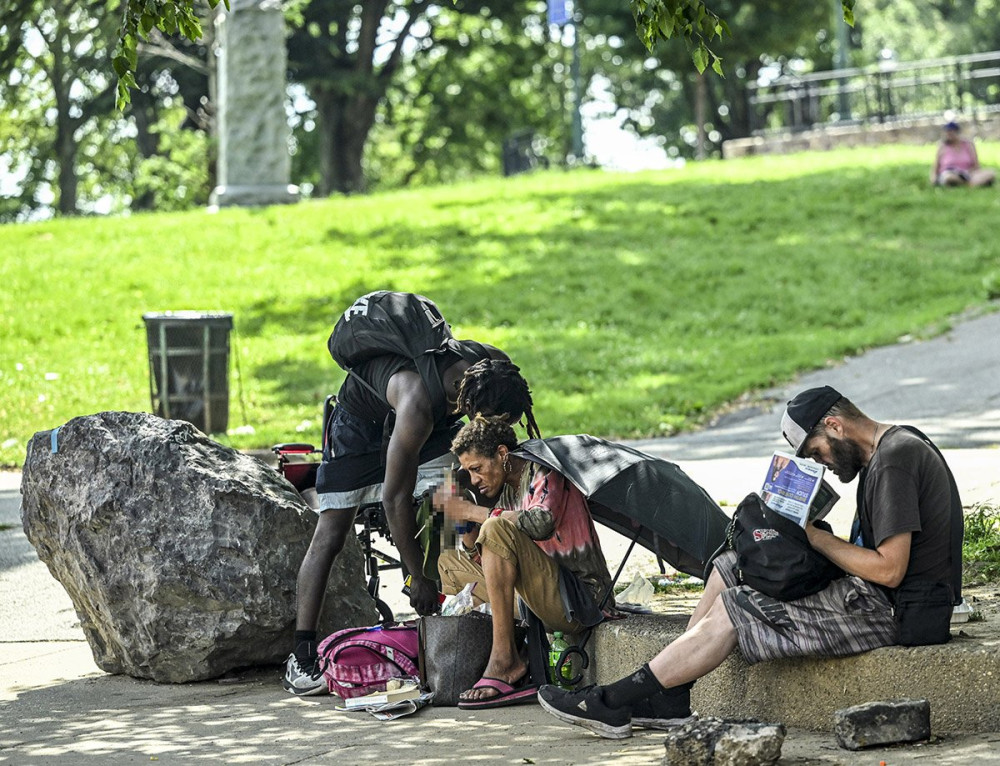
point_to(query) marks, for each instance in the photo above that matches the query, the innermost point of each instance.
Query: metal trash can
(517, 154)
(189, 367)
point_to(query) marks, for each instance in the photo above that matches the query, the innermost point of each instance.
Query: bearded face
(840, 455)
(846, 459)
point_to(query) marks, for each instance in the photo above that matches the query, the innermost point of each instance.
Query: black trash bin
(189, 367)
(518, 153)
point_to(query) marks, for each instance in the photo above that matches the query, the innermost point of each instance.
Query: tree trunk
(65, 143)
(147, 142)
(66, 157)
(344, 124)
(700, 100)
(741, 119)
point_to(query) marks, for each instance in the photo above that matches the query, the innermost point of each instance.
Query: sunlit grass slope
(635, 304)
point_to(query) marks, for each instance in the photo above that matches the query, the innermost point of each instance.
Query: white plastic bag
(639, 592)
(460, 603)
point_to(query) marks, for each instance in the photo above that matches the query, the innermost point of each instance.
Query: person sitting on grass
(545, 549)
(910, 531)
(957, 163)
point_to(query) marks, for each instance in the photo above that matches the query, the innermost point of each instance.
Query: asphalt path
(947, 386)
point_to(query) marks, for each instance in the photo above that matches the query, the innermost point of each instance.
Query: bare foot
(508, 672)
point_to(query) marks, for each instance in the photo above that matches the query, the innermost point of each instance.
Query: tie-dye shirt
(554, 514)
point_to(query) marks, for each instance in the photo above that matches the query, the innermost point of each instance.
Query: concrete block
(959, 678)
(750, 744)
(882, 723)
(693, 744)
(714, 742)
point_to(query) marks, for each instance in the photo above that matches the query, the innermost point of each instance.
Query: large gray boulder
(180, 555)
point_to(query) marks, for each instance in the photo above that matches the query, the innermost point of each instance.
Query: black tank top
(362, 403)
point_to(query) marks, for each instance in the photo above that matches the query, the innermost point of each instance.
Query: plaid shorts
(849, 616)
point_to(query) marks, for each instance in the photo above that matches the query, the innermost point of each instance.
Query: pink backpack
(359, 661)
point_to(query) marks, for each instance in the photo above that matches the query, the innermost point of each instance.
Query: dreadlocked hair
(495, 387)
(483, 436)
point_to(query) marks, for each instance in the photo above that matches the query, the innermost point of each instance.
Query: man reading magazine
(911, 517)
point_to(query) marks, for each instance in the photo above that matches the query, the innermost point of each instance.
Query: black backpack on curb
(774, 555)
(402, 324)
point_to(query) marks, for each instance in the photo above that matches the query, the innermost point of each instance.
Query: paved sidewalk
(56, 706)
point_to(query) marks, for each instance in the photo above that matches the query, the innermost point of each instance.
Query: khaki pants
(536, 581)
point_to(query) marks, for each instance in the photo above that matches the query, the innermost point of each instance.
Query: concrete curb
(959, 678)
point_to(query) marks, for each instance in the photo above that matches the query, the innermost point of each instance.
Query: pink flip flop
(507, 694)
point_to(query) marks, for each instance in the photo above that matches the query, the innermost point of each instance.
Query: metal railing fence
(882, 93)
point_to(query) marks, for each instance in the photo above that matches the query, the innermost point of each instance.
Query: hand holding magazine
(794, 487)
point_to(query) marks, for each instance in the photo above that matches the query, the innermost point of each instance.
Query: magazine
(405, 691)
(393, 710)
(794, 487)
(389, 706)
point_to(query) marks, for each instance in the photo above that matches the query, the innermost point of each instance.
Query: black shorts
(357, 460)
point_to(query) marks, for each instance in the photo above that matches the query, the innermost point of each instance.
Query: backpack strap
(340, 635)
(392, 654)
(426, 365)
(956, 521)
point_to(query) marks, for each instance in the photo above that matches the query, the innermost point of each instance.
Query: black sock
(305, 645)
(629, 690)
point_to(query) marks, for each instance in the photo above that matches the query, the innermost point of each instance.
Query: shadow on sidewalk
(104, 719)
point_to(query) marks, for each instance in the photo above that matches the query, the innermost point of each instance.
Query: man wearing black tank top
(387, 445)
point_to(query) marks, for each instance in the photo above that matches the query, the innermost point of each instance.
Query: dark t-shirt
(907, 489)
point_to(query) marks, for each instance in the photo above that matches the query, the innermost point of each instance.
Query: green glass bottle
(556, 648)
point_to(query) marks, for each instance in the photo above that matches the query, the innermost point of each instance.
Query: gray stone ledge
(254, 196)
(960, 679)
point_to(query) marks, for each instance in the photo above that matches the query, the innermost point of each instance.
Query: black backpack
(774, 555)
(402, 324)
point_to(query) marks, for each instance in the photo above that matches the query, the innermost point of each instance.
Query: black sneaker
(303, 682)
(664, 710)
(585, 707)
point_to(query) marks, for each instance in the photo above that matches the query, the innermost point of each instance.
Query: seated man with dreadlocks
(394, 402)
(538, 542)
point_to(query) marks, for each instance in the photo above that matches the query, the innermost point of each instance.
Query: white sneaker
(303, 683)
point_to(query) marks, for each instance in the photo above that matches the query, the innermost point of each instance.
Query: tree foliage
(665, 97)
(449, 114)
(56, 85)
(471, 76)
(67, 149)
(400, 65)
(139, 19)
(655, 20)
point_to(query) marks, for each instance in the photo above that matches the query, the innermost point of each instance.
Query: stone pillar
(254, 165)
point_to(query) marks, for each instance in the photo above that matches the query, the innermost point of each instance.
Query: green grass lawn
(635, 304)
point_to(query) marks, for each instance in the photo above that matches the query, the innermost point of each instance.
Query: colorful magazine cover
(794, 487)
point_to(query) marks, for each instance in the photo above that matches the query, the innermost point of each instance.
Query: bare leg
(982, 177)
(504, 663)
(699, 650)
(327, 541)
(713, 588)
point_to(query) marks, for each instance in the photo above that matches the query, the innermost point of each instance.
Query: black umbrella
(639, 496)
